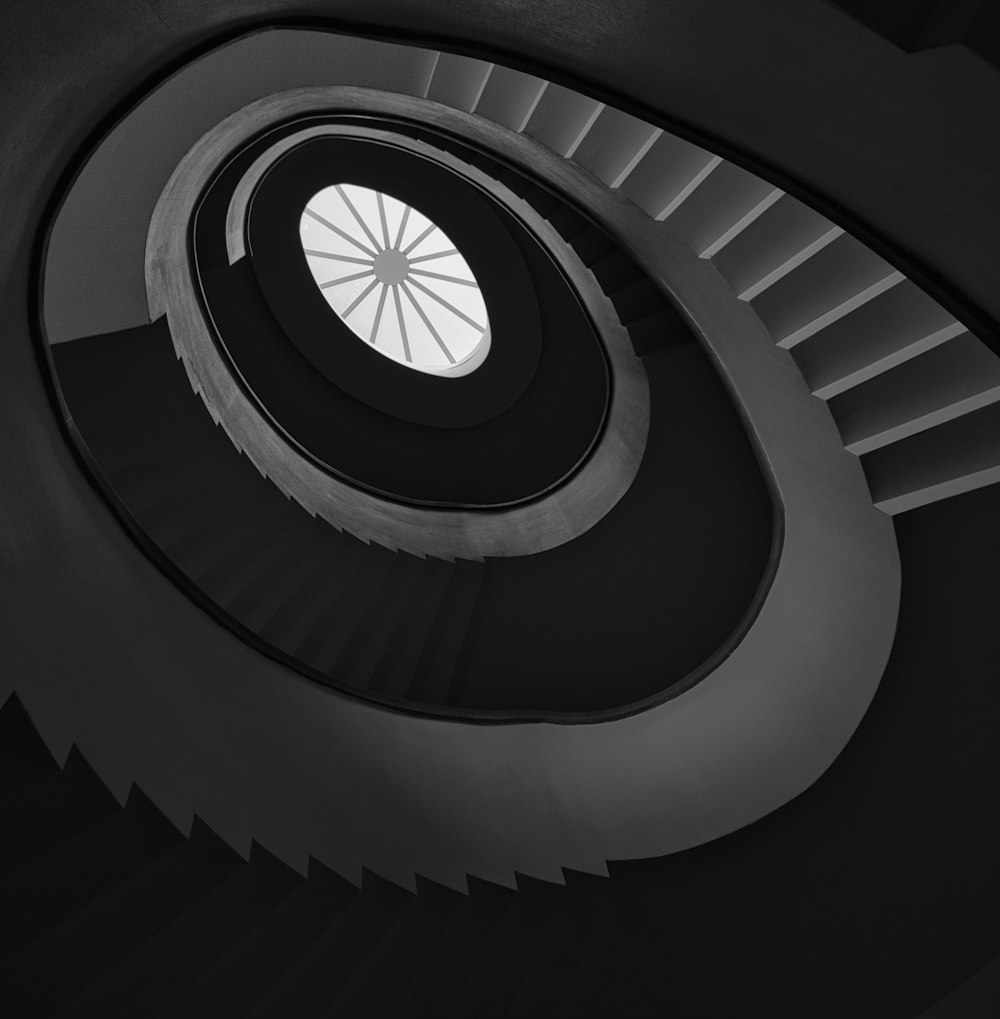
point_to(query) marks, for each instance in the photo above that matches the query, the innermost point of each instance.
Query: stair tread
(561, 948)
(24, 757)
(141, 484)
(248, 969)
(133, 443)
(378, 983)
(141, 392)
(434, 677)
(280, 579)
(490, 988)
(344, 558)
(51, 810)
(323, 646)
(389, 604)
(47, 889)
(393, 673)
(174, 958)
(310, 986)
(113, 355)
(95, 938)
(434, 988)
(229, 580)
(203, 503)
(254, 523)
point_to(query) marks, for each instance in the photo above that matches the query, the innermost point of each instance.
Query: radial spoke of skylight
(448, 305)
(402, 227)
(437, 328)
(385, 222)
(427, 322)
(364, 293)
(437, 254)
(340, 233)
(402, 325)
(338, 258)
(420, 237)
(447, 279)
(378, 314)
(357, 215)
(346, 279)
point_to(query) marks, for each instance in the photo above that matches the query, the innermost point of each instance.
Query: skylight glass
(395, 279)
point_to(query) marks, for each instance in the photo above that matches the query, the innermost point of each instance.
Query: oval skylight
(396, 279)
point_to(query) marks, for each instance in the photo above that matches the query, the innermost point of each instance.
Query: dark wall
(876, 891)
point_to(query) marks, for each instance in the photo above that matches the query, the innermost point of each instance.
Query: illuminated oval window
(396, 279)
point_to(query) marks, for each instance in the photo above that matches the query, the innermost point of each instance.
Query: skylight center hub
(391, 266)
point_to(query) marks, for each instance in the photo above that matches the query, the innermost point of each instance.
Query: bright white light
(395, 278)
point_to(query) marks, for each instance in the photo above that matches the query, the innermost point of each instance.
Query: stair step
(323, 644)
(126, 438)
(24, 757)
(380, 981)
(614, 145)
(281, 579)
(252, 523)
(593, 244)
(782, 237)
(234, 579)
(893, 327)
(491, 987)
(188, 506)
(957, 456)
(230, 514)
(252, 966)
(543, 201)
(313, 610)
(836, 280)
(517, 182)
(142, 392)
(670, 171)
(310, 985)
(490, 166)
(616, 271)
(168, 963)
(47, 889)
(458, 81)
(552, 971)
(665, 328)
(389, 610)
(268, 578)
(434, 674)
(722, 199)
(394, 671)
(638, 300)
(51, 810)
(954, 378)
(120, 446)
(113, 355)
(97, 937)
(509, 97)
(436, 986)
(323, 576)
(562, 118)
(142, 484)
(568, 222)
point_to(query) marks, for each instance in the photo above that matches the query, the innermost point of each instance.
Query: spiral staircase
(127, 890)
